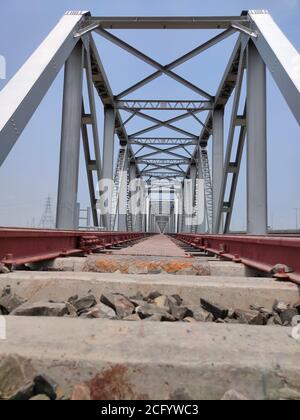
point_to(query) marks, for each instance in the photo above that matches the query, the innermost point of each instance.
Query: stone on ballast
(218, 311)
(105, 310)
(189, 319)
(151, 309)
(122, 306)
(84, 303)
(179, 312)
(275, 321)
(161, 301)
(177, 299)
(41, 309)
(201, 315)
(71, 309)
(288, 315)
(138, 296)
(279, 307)
(9, 302)
(152, 296)
(297, 306)
(4, 269)
(251, 317)
(168, 318)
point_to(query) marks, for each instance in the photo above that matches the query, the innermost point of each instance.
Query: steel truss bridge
(157, 162)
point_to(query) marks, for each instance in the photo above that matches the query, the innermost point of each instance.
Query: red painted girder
(260, 252)
(21, 246)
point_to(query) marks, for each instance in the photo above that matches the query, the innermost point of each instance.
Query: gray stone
(151, 309)
(177, 299)
(179, 312)
(84, 303)
(138, 296)
(201, 314)
(288, 315)
(3, 269)
(275, 320)
(138, 302)
(153, 295)
(105, 310)
(161, 301)
(73, 298)
(279, 307)
(297, 306)
(45, 385)
(218, 311)
(122, 306)
(9, 302)
(25, 393)
(251, 317)
(189, 319)
(71, 309)
(168, 318)
(233, 395)
(41, 309)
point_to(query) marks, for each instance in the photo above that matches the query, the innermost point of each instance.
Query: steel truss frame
(260, 44)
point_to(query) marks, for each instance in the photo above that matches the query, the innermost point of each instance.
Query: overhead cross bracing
(179, 155)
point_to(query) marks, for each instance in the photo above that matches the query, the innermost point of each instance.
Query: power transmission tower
(47, 220)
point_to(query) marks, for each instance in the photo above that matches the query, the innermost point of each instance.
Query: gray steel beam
(108, 152)
(280, 56)
(163, 161)
(70, 141)
(164, 105)
(162, 69)
(22, 95)
(89, 172)
(163, 141)
(123, 198)
(256, 143)
(181, 60)
(217, 162)
(230, 140)
(181, 22)
(224, 92)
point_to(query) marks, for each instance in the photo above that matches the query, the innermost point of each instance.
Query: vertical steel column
(193, 198)
(108, 154)
(217, 163)
(257, 214)
(181, 209)
(132, 177)
(201, 200)
(70, 141)
(123, 198)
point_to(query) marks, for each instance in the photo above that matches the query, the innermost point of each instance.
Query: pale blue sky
(30, 173)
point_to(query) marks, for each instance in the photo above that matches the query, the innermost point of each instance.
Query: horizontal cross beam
(164, 161)
(169, 141)
(185, 22)
(164, 105)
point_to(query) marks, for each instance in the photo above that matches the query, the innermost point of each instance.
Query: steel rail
(21, 246)
(278, 256)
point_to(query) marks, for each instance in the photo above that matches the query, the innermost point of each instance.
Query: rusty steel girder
(21, 246)
(277, 255)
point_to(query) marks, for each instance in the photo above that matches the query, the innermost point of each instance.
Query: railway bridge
(161, 246)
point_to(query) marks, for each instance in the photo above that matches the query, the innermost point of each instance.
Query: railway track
(77, 305)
